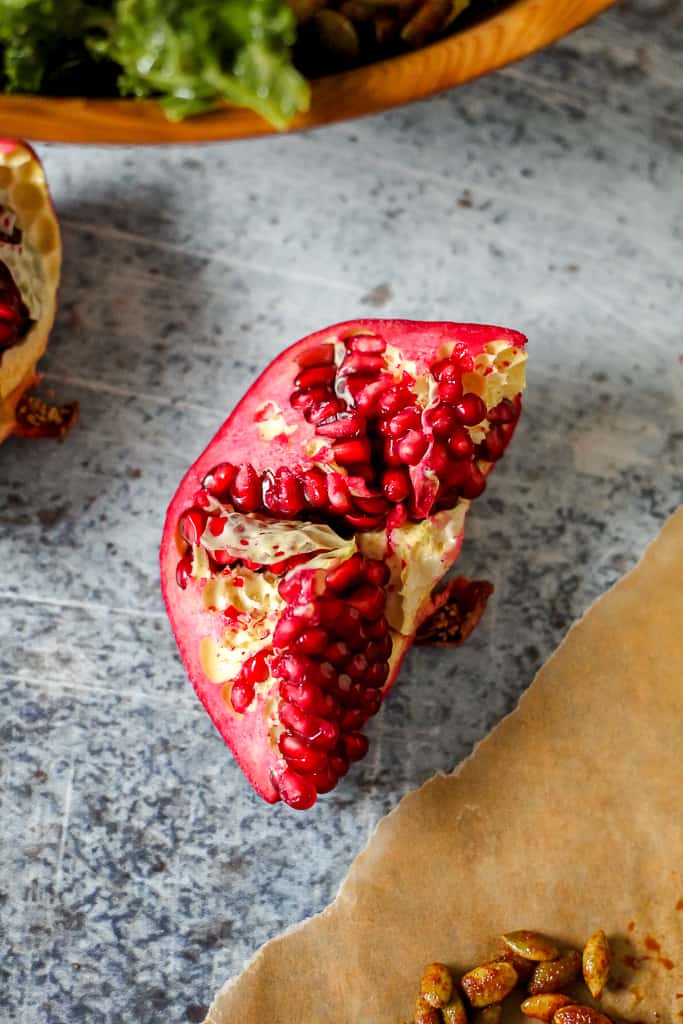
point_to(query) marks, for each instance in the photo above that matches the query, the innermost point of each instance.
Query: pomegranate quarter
(301, 551)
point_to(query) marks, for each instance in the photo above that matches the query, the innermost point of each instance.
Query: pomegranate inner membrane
(313, 576)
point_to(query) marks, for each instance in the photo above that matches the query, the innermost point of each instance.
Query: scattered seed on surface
(531, 945)
(596, 961)
(454, 1011)
(576, 1014)
(489, 983)
(545, 1007)
(436, 985)
(553, 975)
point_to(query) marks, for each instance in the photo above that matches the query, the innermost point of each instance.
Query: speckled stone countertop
(138, 869)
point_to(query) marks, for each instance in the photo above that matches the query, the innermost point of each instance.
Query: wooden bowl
(513, 33)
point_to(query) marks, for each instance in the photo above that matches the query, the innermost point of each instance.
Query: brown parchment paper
(565, 819)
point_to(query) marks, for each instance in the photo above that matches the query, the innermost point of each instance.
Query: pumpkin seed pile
(526, 958)
(349, 32)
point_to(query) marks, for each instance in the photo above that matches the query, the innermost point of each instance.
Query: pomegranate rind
(35, 265)
(264, 430)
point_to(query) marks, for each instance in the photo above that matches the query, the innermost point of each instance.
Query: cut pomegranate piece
(302, 550)
(30, 259)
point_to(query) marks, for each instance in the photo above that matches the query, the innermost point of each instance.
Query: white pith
(34, 264)
(417, 553)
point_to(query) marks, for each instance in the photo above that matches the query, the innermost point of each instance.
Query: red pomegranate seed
(394, 399)
(391, 456)
(218, 480)
(470, 409)
(396, 484)
(361, 522)
(337, 652)
(223, 557)
(412, 447)
(314, 486)
(475, 483)
(353, 719)
(297, 668)
(183, 572)
(319, 355)
(462, 357)
(406, 419)
(346, 575)
(339, 764)
(355, 745)
(324, 781)
(457, 473)
(361, 362)
(368, 396)
(442, 419)
(450, 392)
(310, 397)
(461, 444)
(245, 489)
(315, 376)
(371, 700)
(338, 494)
(349, 453)
(376, 630)
(493, 447)
(356, 667)
(241, 695)
(298, 791)
(304, 757)
(308, 697)
(289, 492)
(216, 525)
(369, 344)
(313, 640)
(339, 616)
(377, 674)
(287, 630)
(342, 426)
(377, 572)
(504, 412)
(317, 413)
(318, 731)
(325, 675)
(255, 669)
(375, 505)
(192, 525)
(369, 600)
(438, 458)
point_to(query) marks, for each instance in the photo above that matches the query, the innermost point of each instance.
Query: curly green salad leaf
(188, 53)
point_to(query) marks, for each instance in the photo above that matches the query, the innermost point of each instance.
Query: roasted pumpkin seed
(454, 1011)
(580, 1015)
(553, 975)
(531, 945)
(489, 983)
(545, 1007)
(436, 985)
(424, 1013)
(596, 960)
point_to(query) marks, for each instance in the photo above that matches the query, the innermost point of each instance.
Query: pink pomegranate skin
(240, 440)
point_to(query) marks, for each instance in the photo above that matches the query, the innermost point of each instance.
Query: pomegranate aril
(325, 675)
(406, 419)
(337, 652)
(223, 557)
(372, 506)
(355, 745)
(192, 525)
(369, 600)
(308, 697)
(393, 400)
(313, 640)
(339, 764)
(307, 759)
(338, 616)
(461, 444)
(360, 362)
(356, 666)
(377, 572)
(378, 650)
(324, 781)
(287, 630)
(317, 413)
(342, 426)
(349, 453)
(471, 409)
(474, 484)
(369, 344)
(442, 419)
(450, 392)
(363, 522)
(289, 491)
(245, 489)
(353, 719)
(504, 412)
(297, 668)
(218, 480)
(183, 572)
(376, 630)
(438, 458)
(493, 446)
(319, 355)
(371, 700)
(368, 396)
(396, 484)
(314, 486)
(309, 397)
(391, 455)
(346, 575)
(296, 790)
(338, 494)
(315, 376)
(255, 669)
(377, 673)
(318, 731)
(412, 447)
(241, 695)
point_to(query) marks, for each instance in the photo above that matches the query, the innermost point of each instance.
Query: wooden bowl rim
(509, 35)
